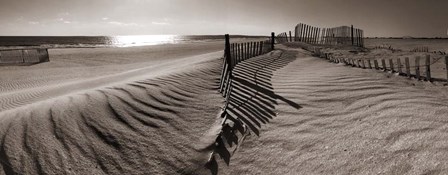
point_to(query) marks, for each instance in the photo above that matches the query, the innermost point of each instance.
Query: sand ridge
(27, 95)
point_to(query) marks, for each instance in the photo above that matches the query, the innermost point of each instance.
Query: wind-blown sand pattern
(349, 121)
(155, 120)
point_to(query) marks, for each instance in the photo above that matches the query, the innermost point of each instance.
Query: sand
(328, 118)
(137, 112)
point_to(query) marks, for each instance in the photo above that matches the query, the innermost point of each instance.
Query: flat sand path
(332, 119)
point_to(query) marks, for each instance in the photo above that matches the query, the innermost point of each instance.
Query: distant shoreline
(52, 42)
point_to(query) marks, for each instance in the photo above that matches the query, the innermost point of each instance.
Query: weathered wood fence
(23, 56)
(343, 35)
(235, 53)
(420, 49)
(420, 69)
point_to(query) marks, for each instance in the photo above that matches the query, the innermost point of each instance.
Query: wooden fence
(343, 35)
(283, 37)
(419, 68)
(420, 49)
(23, 56)
(235, 53)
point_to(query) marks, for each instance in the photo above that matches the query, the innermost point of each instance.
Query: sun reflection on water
(142, 40)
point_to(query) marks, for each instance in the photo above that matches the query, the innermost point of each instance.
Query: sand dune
(349, 121)
(153, 120)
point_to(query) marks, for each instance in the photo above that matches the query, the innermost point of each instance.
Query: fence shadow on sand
(252, 102)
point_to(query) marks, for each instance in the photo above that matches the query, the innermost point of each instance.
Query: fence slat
(391, 64)
(383, 62)
(417, 67)
(244, 51)
(370, 64)
(446, 67)
(254, 48)
(240, 48)
(249, 50)
(428, 68)
(376, 64)
(408, 68)
(399, 67)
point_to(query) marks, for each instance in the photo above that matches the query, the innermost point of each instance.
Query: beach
(156, 110)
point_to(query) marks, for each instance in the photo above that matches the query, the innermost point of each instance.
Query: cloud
(160, 23)
(33, 22)
(123, 24)
(105, 18)
(62, 20)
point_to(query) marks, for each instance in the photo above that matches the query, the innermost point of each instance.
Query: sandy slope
(327, 118)
(157, 119)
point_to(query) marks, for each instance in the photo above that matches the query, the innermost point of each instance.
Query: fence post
(227, 50)
(446, 67)
(399, 66)
(353, 41)
(417, 67)
(363, 64)
(272, 40)
(242, 51)
(428, 68)
(391, 63)
(370, 64)
(232, 46)
(227, 67)
(376, 64)
(295, 32)
(247, 50)
(408, 68)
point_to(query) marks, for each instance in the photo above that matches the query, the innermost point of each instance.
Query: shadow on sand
(252, 102)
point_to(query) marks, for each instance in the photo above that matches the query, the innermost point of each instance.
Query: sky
(380, 18)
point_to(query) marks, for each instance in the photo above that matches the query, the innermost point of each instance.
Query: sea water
(8, 42)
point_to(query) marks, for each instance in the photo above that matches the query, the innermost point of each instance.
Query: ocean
(11, 42)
